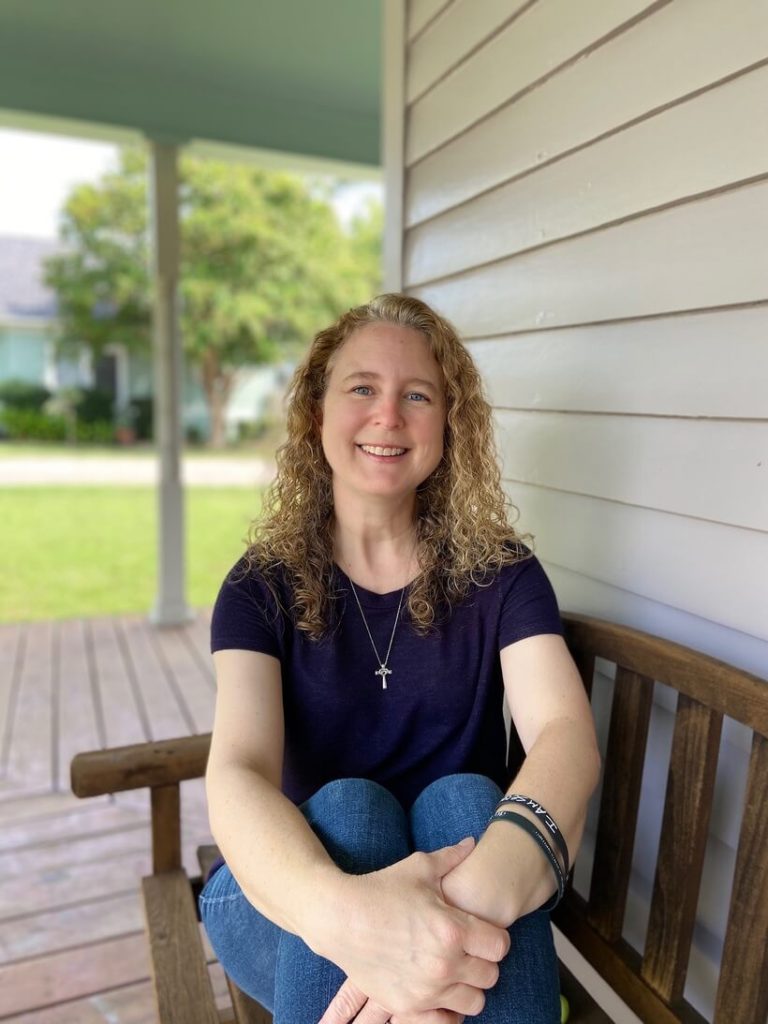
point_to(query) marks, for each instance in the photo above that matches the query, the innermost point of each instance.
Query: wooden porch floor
(72, 949)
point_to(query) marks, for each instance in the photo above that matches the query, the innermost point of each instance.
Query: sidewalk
(136, 471)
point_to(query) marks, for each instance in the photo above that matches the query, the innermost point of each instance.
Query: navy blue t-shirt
(441, 712)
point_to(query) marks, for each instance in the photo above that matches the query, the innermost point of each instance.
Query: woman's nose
(389, 412)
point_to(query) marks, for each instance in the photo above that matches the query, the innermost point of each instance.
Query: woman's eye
(361, 389)
(417, 396)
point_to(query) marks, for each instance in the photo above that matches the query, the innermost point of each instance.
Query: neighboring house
(28, 351)
(585, 196)
(27, 312)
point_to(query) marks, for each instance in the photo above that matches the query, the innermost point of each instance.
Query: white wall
(585, 195)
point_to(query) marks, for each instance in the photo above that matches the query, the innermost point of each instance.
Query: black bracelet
(530, 828)
(549, 821)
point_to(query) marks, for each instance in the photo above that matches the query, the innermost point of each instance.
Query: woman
(363, 648)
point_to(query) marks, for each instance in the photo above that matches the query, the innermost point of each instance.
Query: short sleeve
(246, 615)
(528, 603)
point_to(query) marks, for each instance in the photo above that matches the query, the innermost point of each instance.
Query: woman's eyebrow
(372, 375)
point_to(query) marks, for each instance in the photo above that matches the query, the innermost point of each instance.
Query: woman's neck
(376, 547)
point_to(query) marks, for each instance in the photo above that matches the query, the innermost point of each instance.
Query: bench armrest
(164, 763)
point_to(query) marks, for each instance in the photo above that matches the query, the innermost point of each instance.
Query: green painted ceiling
(300, 76)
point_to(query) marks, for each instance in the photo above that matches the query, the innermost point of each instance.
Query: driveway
(131, 470)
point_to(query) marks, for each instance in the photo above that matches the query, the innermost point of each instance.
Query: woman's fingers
(372, 1013)
(347, 1004)
(429, 1017)
(483, 939)
(477, 973)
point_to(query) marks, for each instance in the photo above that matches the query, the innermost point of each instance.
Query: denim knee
(451, 808)
(360, 824)
(244, 941)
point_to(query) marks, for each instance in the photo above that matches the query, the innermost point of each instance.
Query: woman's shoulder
(251, 602)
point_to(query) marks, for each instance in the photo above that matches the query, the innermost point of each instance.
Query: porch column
(170, 606)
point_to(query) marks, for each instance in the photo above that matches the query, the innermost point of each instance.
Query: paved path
(130, 471)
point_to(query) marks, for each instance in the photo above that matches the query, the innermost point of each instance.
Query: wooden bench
(651, 982)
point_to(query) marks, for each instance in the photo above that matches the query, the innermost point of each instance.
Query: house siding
(24, 354)
(586, 196)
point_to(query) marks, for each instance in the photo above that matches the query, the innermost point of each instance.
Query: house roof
(23, 294)
(296, 76)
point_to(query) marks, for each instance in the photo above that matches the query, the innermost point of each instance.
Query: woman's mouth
(381, 451)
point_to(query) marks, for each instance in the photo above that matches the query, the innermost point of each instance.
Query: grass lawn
(89, 551)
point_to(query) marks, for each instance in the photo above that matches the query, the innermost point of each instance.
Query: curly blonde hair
(463, 532)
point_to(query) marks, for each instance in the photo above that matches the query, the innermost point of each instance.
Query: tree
(264, 261)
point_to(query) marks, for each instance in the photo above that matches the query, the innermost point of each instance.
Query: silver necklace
(382, 670)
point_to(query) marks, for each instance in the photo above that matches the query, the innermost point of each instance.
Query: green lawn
(71, 551)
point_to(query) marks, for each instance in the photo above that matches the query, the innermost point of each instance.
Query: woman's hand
(350, 1003)
(405, 950)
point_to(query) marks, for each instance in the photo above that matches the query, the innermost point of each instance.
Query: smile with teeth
(373, 449)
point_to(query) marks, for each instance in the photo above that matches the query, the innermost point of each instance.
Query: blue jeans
(364, 828)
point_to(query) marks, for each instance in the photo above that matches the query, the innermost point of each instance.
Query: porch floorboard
(72, 949)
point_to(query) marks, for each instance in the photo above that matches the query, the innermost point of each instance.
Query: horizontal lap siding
(511, 61)
(684, 47)
(661, 464)
(461, 27)
(669, 261)
(614, 367)
(601, 184)
(586, 197)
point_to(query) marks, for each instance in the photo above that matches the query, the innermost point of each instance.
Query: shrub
(98, 432)
(143, 413)
(30, 425)
(94, 406)
(21, 394)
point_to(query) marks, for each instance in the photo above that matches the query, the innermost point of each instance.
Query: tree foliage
(264, 263)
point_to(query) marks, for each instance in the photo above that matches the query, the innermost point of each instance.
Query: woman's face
(383, 413)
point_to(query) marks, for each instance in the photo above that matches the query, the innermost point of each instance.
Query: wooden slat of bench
(742, 994)
(182, 986)
(726, 689)
(247, 1010)
(166, 828)
(684, 831)
(619, 965)
(623, 772)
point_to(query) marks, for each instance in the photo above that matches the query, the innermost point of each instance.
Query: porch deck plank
(72, 947)
(165, 714)
(78, 724)
(130, 1004)
(73, 973)
(195, 685)
(198, 636)
(86, 923)
(125, 719)
(30, 754)
(11, 650)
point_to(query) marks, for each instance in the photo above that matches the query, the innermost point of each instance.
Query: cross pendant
(383, 671)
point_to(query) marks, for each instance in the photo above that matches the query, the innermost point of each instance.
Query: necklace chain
(382, 670)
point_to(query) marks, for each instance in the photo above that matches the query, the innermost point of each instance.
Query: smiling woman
(374, 420)
(363, 648)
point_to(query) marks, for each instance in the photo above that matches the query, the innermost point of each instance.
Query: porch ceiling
(298, 76)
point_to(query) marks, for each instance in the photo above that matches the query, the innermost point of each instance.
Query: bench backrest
(652, 982)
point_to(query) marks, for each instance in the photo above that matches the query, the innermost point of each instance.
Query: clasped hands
(411, 954)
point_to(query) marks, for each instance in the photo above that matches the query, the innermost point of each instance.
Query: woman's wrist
(316, 903)
(485, 885)
(505, 877)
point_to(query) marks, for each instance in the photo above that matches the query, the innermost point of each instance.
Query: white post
(170, 603)
(393, 139)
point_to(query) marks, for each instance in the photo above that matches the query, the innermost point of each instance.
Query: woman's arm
(390, 931)
(507, 875)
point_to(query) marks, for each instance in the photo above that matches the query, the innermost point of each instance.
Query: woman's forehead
(385, 345)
